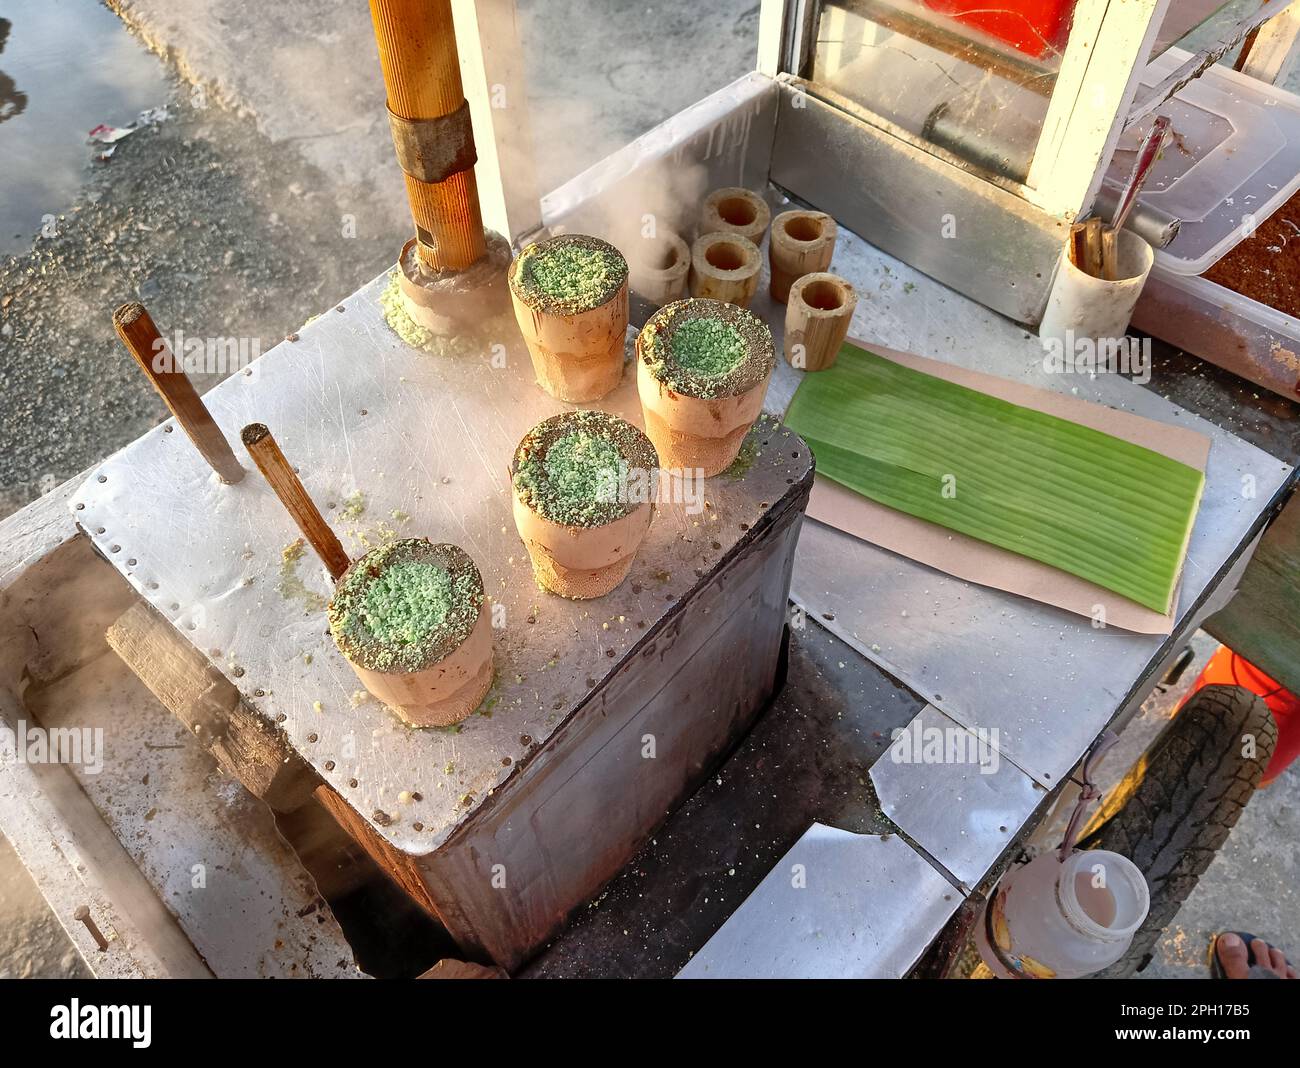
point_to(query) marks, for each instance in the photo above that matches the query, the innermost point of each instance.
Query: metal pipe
(995, 151)
(431, 129)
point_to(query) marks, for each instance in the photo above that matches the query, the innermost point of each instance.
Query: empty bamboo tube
(735, 210)
(802, 242)
(725, 266)
(659, 267)
(139, 334)
(817, 320)
(421, 66)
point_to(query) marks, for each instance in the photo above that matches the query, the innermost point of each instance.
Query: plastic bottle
(1054, 919)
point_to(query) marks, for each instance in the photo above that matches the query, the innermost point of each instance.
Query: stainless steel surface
(958, 228)
(723, 140)
(1045, 678)
(837, 906)
(425, 440)
(963, 803)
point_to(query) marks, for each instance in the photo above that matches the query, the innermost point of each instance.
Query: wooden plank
(1262, 621)
(1270, 54)
(76, 861)
(211, 708)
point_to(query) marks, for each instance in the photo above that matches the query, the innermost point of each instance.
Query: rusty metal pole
(431, 128)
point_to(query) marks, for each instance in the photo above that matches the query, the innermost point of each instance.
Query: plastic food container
(1235, 154)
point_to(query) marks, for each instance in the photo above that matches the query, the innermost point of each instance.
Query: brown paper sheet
(968, 558)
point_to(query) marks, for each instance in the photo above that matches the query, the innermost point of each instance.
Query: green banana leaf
(1099, 507)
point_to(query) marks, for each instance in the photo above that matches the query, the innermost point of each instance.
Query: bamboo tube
(288, 487)
(139, 334)
(725, 266)
(417, 52)
(817, 320)
(701, 429)
(734, 210)
(1109, 254)
(440, 679)
(577, 351)
(1092, 246)
(659, 267)
(802, 242)
(585, 560)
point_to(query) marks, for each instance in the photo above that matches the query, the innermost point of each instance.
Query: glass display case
(965, 138)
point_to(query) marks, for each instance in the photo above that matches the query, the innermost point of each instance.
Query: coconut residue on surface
(568, 274)
(569, 468)
(406, 605)
(291, 586)
(419, 337)
(706, 348)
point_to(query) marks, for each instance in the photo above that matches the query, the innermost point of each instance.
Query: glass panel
(1184, 17)
(969, 76)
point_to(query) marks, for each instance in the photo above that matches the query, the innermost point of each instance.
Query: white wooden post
(492, 68)
(1104, 59)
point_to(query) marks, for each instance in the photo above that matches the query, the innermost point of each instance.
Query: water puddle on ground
(65, 67)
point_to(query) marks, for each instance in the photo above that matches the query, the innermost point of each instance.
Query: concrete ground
(270, 193)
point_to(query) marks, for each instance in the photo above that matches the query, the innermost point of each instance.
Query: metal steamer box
(603, 714)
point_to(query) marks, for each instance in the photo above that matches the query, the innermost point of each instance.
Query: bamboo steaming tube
(410, 617)
(817, 319)
(802, 242)
(570, 300)
(725, 266)
(583, 486)
(412, 620)
(735, 210)
(702, 372)
(659, 267)
(451, 271)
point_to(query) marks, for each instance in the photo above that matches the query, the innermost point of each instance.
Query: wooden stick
(1092, 246)
(1078, 255)
(156, 360)
(1110, 254)
(288, 487)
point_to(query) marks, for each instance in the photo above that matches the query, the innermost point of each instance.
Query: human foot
(1240, 956)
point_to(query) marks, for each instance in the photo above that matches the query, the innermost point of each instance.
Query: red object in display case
(1034, 27)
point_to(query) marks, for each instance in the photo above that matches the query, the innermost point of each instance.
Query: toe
(1262, 952)
(1232, 955)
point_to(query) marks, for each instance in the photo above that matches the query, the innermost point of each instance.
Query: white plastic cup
(1054, 919)
(1080, 305)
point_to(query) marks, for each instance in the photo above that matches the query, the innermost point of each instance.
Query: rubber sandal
(1248, 940)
